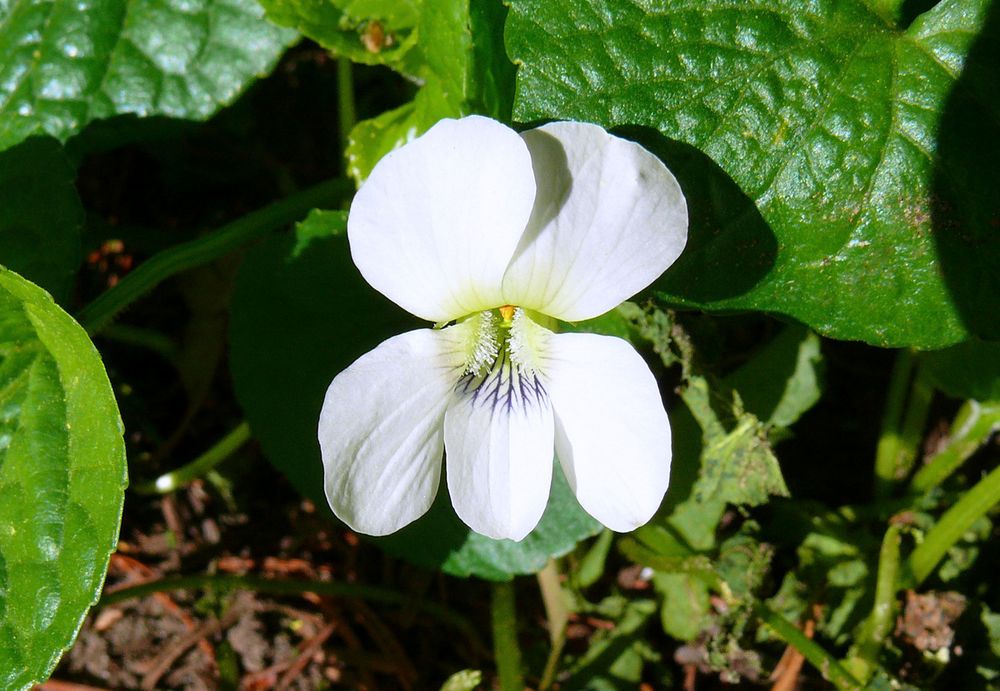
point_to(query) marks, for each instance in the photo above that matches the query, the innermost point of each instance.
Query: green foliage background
(839, 158)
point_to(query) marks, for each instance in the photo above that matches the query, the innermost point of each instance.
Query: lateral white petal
(380, 430)
(612, 434)
(499, 453)
(436, 223)
(609, 218)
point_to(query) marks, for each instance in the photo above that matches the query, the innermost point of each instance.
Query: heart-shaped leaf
(870, 149)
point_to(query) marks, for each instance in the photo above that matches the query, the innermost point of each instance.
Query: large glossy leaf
(301, 313)
(870, 150)
(40, 215)
(66, 63)
(62, 480)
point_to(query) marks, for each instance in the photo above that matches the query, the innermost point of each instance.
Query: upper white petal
(499, 455)
(435, 224)
(608, 219)
(380, 431)
(612, 433)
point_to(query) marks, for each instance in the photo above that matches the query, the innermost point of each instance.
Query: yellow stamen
(507, 312)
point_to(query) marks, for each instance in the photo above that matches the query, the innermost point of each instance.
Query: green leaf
(782, 380)
(301, 313)
(967, 370)
(40, 215)
(373, 32)
(453, 48)
(737, 465)
(62, 480)
(685, 608)
(372, 139)
(870, 150)
(68, 64)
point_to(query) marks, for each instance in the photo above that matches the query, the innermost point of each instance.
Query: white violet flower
(504, 233)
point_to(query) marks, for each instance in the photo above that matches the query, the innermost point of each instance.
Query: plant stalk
(903, 421)
(291, 587)
(506, 650)
(187, 255)
(175, 479)
(814, 653)
(557, 614)
(347, 111)
(863, 659)
(953, 524)
(973, 426)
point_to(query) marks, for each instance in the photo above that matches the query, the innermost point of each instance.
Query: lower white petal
(612, 433)
(499, 441)
(380, 431)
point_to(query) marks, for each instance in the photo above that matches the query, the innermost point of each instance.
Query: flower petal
(380, 431)
(609, 218)
(612, 434)
(499, 453)
(435, 224)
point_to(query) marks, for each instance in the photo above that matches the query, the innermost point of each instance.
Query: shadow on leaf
(730, 246)
(965, 205)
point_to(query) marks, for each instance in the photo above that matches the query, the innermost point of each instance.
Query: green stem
(953, 524)
(892, 445)
(863, 659)
(814, 653)
(557, 614)
(918, 406)
(145, 338)
(973, 426)
(186, 255)
(348, 116)
(292, 587)
(223, 449)
(503, 612)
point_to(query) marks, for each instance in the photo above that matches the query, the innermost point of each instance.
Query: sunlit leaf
(62, 480)
(65, 65)
(870, 149)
